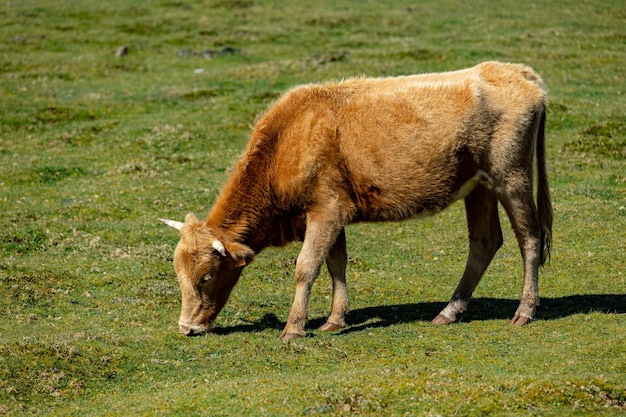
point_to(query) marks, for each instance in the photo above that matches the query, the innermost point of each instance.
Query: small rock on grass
(121, 51)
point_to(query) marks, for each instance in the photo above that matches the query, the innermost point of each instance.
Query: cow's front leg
(336, 262)
(321, 234)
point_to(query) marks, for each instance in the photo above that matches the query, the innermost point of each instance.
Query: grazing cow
(373, 149)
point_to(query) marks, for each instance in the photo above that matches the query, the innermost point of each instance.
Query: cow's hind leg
(322, 230)
(336, 262)
(485, 236)
(517, 198)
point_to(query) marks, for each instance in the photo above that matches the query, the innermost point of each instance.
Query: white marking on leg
(455, 306)
(196, 328)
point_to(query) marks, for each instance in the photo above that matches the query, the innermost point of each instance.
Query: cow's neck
(244, 211)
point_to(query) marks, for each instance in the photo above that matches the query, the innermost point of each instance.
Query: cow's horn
(172, 223)
(219, 246)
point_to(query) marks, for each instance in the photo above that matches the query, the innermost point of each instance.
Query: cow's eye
(207, 278)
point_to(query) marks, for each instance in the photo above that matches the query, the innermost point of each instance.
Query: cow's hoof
(520, 320)
(291, 336)
(441, 319)
(330, 327)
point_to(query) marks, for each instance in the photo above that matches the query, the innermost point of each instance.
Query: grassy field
(94, 147)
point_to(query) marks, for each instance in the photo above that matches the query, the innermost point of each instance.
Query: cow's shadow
(480, 309)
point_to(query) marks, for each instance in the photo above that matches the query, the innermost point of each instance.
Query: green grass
(94, 147)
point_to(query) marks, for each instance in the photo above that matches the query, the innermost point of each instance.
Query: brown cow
(373, 149)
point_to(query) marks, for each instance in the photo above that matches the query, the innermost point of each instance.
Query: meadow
(97, 142)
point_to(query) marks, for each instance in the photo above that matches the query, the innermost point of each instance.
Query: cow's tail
(544, 203)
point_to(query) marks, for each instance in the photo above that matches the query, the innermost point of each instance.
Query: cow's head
(207, 268)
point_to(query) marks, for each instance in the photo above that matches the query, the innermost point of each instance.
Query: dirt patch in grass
(51, 174)
(24, 242)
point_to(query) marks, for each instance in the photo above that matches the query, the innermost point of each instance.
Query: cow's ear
(191, 219)
(242, 255)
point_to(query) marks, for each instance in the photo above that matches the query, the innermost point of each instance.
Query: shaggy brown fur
(326, 155)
